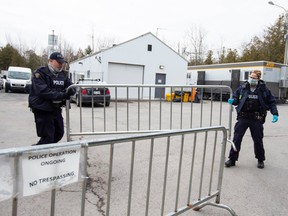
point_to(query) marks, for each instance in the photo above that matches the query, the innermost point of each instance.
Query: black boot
(230, 163)
(260, 164)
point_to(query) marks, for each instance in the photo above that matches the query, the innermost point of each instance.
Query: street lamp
(286, 35)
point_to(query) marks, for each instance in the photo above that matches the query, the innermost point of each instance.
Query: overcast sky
(229, 23)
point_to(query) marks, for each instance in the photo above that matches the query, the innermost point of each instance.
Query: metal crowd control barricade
(135, 109)
(163, 173)
(17, 178)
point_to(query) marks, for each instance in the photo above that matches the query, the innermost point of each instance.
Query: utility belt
(251, 115)
(58, 104)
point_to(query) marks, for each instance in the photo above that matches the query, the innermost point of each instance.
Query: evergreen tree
(33, 60)
(88, 50)
(270, 48)
(232, 56)
(9, 56)
(209, 58)
(253, 51)
(274, 41)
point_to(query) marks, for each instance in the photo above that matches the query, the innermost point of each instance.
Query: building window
(246, 75)
(149, 48)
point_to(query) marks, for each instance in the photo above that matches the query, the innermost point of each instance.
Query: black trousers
(49, 125)
(256, 129)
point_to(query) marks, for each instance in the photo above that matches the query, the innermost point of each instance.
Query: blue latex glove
(230, 100)
(275, 118)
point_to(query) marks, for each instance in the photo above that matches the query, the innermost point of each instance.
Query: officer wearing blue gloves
(252, 100)
(47, 96)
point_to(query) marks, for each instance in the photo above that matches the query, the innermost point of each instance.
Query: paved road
(248, 190)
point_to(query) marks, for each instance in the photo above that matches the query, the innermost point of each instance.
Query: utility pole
(53, 40)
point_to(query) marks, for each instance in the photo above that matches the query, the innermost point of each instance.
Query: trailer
(234, 74)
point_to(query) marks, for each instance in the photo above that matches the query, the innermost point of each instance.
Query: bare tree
(195, 47)
(66, 49)
(104, 42)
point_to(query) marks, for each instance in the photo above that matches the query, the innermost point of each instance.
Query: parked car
(87, 95)
(18, 79)
(1, 83)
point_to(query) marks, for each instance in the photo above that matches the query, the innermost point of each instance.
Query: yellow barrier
(169, 97)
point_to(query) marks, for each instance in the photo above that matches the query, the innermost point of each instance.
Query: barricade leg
(232, 212)
(16, 179)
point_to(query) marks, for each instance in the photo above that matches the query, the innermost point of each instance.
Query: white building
(233, 74)
(142, 60)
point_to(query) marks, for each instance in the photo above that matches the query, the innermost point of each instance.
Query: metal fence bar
(201, 109)
(127, 108)
(116, 109)
(81, 117)
(131, 178)
(203, 165)
(109, 179)
(192, 169)
(104, 110)
(138, 111)
(84, 184)
(211, 107)
(220, 173)
(149, 177)
(181, 109)
(171, 114)
(221, 107)
(160, 114)
(68, 123)
(212, 163)
(179, 173)
(149, 108)
(165, 175)
(15, 183)
(191, 109)
(53, 199)
(92, 110)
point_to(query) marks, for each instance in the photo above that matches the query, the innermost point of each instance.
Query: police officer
(47, 96)
(252, 99)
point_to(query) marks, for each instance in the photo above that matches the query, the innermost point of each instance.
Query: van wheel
(6, 90)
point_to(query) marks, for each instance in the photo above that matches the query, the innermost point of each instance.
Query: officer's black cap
(58, 57)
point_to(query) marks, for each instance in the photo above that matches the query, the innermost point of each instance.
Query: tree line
(269, 47)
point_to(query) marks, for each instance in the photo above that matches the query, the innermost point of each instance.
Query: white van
(17, 79)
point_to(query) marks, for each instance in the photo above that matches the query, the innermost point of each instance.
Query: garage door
(125, 74)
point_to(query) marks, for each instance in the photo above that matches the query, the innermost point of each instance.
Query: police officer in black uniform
(252, 99)
(47, 96)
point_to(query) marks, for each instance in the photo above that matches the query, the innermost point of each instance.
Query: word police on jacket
(58, 82)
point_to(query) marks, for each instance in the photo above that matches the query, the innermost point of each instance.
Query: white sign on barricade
(6, 178)
(48, 169)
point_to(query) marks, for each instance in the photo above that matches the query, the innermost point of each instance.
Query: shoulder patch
(37, 75)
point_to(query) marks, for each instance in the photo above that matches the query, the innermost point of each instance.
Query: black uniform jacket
(266, 99)
(48, 89)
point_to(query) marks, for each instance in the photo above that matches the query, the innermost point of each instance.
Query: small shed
(142, 60)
